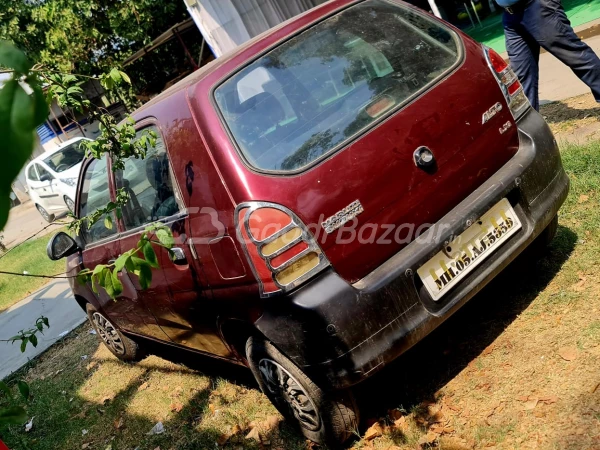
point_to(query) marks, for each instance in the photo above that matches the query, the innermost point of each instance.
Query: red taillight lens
(509, 83)
(513, 88)
(279, 247)
(496, 61)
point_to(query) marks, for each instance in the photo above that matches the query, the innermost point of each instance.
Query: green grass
(30, 257)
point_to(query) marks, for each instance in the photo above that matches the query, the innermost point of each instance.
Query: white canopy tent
(225, 24)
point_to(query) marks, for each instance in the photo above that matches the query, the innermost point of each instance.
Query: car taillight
(509, 83)
(281, 250)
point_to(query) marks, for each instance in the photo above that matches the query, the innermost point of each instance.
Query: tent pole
(434, 8)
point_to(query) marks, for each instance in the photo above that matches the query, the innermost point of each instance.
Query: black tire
(329, 418)
(70, 203)
(119, 345)
(45, 214)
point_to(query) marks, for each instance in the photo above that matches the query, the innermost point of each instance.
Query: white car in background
(52, 178)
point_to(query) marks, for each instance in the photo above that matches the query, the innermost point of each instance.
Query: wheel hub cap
(108, 333)
(283, 385)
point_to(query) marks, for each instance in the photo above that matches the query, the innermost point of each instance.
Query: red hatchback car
(337, 188)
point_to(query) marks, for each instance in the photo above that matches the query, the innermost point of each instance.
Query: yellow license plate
(468, 250)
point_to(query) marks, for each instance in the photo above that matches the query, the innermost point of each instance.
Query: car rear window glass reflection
(335, 80)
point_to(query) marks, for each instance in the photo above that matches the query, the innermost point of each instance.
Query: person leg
(524, 55)
(547, 22)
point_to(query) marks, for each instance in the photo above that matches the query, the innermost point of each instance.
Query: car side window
(95, 194)
(43, 171)
(150, 186)
(32, 174)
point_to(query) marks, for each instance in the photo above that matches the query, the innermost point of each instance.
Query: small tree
(23, 106)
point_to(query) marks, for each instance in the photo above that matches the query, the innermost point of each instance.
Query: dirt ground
(575, 120)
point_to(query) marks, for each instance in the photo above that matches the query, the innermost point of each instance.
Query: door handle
(178, 257)
(112, 261)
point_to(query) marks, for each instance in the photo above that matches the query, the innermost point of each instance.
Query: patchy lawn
(31, 257)
(516, 368)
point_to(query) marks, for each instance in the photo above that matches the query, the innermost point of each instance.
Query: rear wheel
(45, 214)
(323, 417)
(120, 345)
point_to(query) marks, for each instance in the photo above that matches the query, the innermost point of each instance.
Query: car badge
(505, 127)
(341, 217)
(487, 116)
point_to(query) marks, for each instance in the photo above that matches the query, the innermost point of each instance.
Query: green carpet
(491, 32)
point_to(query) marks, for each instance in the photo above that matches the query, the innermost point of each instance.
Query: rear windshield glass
(66, 158)
(326, 85)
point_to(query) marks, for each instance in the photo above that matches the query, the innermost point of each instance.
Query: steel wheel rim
(108, 333)
(44, 213)
(284, 386)
(70, 204)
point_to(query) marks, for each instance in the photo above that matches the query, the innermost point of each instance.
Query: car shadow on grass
(94, 402)
(421, 372)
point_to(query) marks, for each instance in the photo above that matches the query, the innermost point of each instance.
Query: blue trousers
(543, 23)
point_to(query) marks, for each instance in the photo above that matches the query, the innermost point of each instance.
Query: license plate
(468, 250)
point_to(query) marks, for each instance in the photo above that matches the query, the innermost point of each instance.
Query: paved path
(23, 221)
(55, 301)
(557, 81)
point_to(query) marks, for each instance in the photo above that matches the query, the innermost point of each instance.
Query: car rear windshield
(66, 158)
(323, 87)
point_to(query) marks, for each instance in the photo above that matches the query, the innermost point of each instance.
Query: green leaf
(150, 255)
(40, 106)
(74, 90)
(108, 223)
(23, 389)
(82, 278)
(145, 276)
(117, 285)
(115, 75)
(125, 77)
(17, 129)
(4, 387)
(46, 321)
(13, 58)
(98, 269)
(34, 340)
(23, 345)
(107, 83)
(108, 283)
(13, 415)
(121, 261)
(165, 236)
(119, 212)
(40, 326)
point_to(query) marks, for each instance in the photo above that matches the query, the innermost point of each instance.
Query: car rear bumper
(340, 334)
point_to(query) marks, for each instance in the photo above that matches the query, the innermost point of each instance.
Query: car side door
(33, 181)
(177, 294)
(101, 246)
(49, 188)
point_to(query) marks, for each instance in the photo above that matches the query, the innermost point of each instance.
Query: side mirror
(60, 246)
(46, 177)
